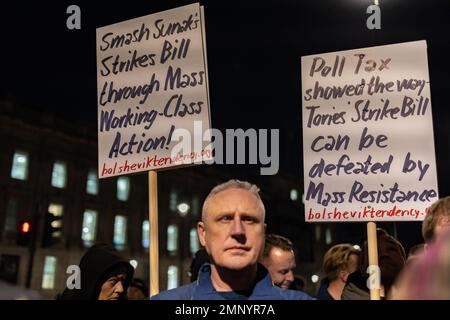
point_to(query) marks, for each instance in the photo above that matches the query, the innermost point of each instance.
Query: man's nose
(290, 276)
(119, 287)
(237, 228)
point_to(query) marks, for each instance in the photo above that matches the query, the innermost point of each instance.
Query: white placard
(368, 141)
(152, 80)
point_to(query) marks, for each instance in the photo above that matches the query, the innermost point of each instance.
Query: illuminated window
(194, 244)
(123, 188)
(328, 238)
(92, 182)
(57, 210)
(11, 216)
(59, 175)
(145, 234)
(120, 232)
(19, 169)
(89, 231)
(172, 277)
(317, 232)
(173, 201)
(48, 276)
(172, 239)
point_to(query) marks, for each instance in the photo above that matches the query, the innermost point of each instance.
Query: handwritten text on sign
(368, 135)
(151, 80)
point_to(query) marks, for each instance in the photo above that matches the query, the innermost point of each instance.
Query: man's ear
(201, 233)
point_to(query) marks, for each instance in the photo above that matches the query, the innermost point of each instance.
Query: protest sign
(368, 141)
(152, 80)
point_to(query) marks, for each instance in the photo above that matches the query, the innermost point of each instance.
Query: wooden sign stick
(373, 257)
(153, 221)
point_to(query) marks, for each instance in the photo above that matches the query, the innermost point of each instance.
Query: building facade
(48, 165)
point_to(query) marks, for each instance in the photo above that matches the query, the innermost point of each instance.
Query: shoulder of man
(180, 293)
(294, 295)
(277, 293)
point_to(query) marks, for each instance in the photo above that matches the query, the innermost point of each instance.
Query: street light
(183, 208)
(134, 263)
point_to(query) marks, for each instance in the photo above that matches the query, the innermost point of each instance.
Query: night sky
(254, 51)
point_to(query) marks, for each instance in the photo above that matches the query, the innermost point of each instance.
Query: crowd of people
(239, 261)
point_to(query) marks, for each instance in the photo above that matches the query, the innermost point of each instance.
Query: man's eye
(226, 218)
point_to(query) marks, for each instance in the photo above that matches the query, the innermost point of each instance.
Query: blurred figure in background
(428, 276)
(201, 257)
(437, 220)
(299, 283)
(391, 260)
(338, 263)
(415, 252)
(138, 290)
(279, 259)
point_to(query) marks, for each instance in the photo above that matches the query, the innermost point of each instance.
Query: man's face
(280, 265)
(233, 228)
(112, 288)
(442, 227)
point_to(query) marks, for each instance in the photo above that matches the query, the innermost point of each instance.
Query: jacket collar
(204, 288)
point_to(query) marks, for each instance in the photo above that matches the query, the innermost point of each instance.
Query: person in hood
(105, 275)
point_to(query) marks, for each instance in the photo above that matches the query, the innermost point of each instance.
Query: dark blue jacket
(323, 293)
(202, 289)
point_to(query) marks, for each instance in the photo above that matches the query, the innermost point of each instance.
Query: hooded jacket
(98, 264)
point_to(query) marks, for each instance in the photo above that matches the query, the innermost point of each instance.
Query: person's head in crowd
(105, 275)
(232, 232)
(137, 290)
(279, 259)
(299, 283)
(428, 276)
(200, 257)
(415, 252)
(437, 220)
(391, 259)
(338, 263)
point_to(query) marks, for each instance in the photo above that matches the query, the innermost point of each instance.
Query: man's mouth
(239, 248)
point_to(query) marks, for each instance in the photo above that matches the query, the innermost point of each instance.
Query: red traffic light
(25, 227)
(24, 233)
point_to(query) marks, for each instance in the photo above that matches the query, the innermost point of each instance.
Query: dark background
(254, 51)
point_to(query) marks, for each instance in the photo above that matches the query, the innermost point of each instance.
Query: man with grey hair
(232, 231)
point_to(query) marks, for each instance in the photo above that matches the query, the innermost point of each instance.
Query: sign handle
(153, 221)
(373, 258)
